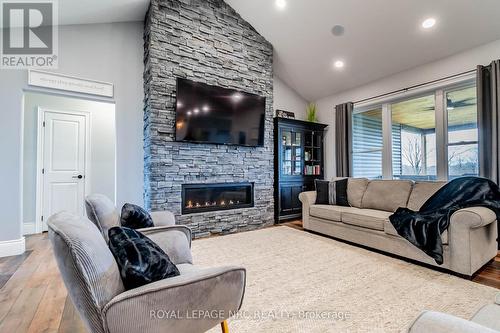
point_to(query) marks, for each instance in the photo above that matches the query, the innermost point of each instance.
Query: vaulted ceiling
(381, 38)
(101, 11)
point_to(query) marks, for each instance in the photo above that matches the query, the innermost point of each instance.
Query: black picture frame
(285, 114)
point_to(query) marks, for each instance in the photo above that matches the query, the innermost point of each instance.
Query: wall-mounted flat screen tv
(210, 114)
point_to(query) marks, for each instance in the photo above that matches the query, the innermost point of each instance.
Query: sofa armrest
(163, 218)
(472, 239)
(308, 198)
(174, 240)
(179, 304)
(437, 322)
(474, 217)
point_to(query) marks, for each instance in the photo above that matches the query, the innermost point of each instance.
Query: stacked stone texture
(204, 41)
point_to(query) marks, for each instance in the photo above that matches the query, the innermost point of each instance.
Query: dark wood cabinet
(298, 161)
(289, 198)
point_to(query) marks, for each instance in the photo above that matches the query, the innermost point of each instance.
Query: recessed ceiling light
(339, 64)
(205, 108)
(281, 4)
(429, 23)
(196, 111)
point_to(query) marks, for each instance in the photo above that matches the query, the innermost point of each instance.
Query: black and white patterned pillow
(331, 193)
(135, 217)
(140, 260)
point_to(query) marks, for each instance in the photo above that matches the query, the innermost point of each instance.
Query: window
(414, 139)
(427, 137)
(462, 133)
(367, 144)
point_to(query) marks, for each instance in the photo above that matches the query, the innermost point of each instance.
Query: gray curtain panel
(343, 113)
(488, 107)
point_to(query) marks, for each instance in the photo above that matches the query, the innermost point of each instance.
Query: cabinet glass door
(292, 153)
(312, 153)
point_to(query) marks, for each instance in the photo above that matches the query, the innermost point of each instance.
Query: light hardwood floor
(33, 297)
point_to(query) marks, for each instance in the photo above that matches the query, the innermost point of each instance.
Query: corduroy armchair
(103, 213)
(93, 280)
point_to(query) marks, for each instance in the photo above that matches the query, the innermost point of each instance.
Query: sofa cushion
(356, 187)
(421, 192)
(366, 218)
(327, 212)
(387, 195)
(185, 269)
(390, 230)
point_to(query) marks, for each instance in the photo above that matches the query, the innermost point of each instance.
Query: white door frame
(40, 142)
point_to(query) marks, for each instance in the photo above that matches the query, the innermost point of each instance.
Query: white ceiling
(101, 11)
(382, 37)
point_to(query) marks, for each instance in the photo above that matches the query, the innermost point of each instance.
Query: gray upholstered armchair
(486, 320)
(103, 213)
(93, 280)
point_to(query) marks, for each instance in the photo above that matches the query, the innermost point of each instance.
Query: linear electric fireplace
(198, 198)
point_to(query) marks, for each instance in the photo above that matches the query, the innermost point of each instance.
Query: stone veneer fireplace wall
(205, 41)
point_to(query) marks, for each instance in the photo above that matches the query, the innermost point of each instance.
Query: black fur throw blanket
(424, 228)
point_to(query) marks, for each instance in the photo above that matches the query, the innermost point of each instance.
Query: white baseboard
(29, 228)
(12, 247)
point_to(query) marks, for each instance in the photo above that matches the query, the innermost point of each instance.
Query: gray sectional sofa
(469, 243)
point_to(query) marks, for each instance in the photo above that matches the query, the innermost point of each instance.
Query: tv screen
(209, 114)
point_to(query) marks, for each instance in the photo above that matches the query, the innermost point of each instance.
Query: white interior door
(64, 154)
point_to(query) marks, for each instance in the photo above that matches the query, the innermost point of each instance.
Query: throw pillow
(322, 192)
(140, 260)
(341, 192)
(135, 217)
(331, 193)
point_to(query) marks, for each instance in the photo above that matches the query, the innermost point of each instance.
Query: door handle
(79, 176)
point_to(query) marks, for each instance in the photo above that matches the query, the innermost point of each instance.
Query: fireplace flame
(191, 204)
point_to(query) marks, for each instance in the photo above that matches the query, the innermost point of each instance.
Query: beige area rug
(293, 276)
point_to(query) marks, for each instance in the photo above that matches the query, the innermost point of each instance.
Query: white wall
(285, 98)
(11, 96)
(114, 53)
(102, 143)
(448, 66)
(104, 52)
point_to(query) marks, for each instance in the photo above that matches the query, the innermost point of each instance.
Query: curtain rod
(415, 86)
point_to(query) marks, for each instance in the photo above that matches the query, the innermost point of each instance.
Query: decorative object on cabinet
(312, 113)
(285, 114)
